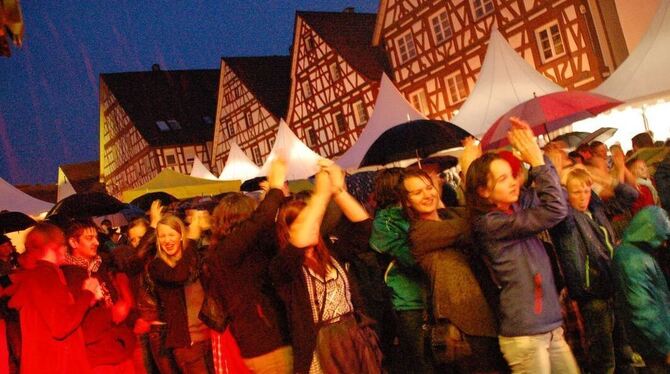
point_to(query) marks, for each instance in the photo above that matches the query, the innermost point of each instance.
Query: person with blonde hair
(178, 279)
(52, 339)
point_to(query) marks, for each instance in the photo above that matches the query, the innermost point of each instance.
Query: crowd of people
(535, 260)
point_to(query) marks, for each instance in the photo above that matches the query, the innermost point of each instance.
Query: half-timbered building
(436, 47)
(253, 95)
(154, 120)
(335, 74)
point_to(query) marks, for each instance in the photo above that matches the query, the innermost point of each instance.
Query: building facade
(154, 120)
(436, 48)
(335, 74)
(253, 95)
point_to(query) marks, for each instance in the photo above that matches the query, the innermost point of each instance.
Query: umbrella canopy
(601, 135)
(14, 221)
(85, 205)
(443, 162)
(572, 139)
(144, 202)
(418, 138)
(548, 113)
(650, 155)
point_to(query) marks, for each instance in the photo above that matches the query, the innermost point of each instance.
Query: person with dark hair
(52, 340)
(329, 331)
(243, 244)
(465, 330)
(642, 140)
(109, 341)
(390, 236)
(642, 290)
(505, 221)
(599, 149)
(10, 317)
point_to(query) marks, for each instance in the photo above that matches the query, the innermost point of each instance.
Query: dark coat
(456, 293)
(239, 264)
(288, 279)
(168, 283)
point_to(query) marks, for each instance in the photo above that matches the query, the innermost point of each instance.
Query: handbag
(448, 343)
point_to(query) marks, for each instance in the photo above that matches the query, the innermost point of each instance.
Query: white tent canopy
(505, 80)
(301, 162)
(645, 71)
(390, 109)
(199, 170)
(238, 165)
(65, 189)
(15, 200)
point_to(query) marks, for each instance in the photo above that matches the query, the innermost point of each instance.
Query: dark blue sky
(49, 88)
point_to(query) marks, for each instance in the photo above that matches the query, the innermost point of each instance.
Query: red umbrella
(548, 113)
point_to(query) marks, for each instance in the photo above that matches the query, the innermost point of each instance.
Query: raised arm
(350, 207)
(304, 231)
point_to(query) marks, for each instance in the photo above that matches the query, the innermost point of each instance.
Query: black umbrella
(144, 202)
(14, 221)
(85, 205)
(418, 138)
(252, 184)
(444, 162)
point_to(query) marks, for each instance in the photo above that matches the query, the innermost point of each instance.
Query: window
(441, 27)
(256, 154)
(306, 89)
(549, 42)
(311, 137)
(174, 124)
(335, 74)
(231, 128)
(418, 100)
(406, 48)
(456, 88)
(482, 7)
(309, 44)
(249, 119)
(170, 160)
(340, 123)
(162, 126)
(361, 113)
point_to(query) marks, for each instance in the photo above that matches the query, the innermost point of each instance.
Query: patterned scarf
(91, 266)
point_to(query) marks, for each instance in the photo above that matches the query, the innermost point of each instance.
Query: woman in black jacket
(177, 278)
(324, 307)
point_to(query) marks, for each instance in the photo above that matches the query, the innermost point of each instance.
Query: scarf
(91, 266)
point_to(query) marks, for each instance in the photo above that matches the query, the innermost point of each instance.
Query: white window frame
(552, 44)
(406, 47)
(419, 97)
(361, 111)
(482, 5)
(306, 89)
(335, 71)
(249, 119)
(337, 125)
(256, 154)
(308, 137)
(444, 30)
(459, 96)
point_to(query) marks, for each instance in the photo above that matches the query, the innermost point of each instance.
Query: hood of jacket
(650, 226)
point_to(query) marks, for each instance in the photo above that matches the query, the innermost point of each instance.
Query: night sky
(49, 88)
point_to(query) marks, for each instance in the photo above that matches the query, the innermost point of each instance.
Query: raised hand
(471, 152)
(522, 139)
(92, 284)
(155, 213)
(277, 173)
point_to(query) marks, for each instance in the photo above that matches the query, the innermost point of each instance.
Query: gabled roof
(267, 77)
(186, 96)
(350, 35)
(84, 176)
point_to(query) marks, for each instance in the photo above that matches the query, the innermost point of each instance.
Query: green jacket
(390, 236)
(642, 291)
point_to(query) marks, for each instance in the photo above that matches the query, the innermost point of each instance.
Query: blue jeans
(546, 353)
